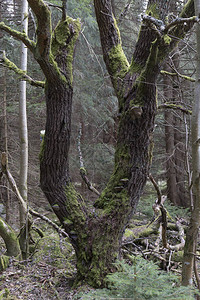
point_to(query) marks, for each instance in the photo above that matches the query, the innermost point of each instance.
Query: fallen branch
(159, 206)
(181, 236)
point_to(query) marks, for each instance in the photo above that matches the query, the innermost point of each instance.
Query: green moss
(139, 232)
(83, 171)
(115, 193)
(178, 256)
(65, 35)
(175, 74)
(73, 205)
(10, 239)
(153, 10)
(4, 262)
(10, 65)
(67, 222)
(5, 294)
(128, 234)
(176, 106)
(167, 39)
(17, 34)
(135, 68)
(118, 62)
(117, 28)
(22, 74)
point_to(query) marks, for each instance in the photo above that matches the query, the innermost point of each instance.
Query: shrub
(142, 280)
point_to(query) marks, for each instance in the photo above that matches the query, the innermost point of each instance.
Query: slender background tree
(192, 232)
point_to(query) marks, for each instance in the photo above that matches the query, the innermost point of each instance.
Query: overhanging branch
(21, 36)
(175, 106)
(165, 28)
(5, 62)
(181, 21)
(177, 74)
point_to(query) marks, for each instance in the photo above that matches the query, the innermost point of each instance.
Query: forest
(99, 149)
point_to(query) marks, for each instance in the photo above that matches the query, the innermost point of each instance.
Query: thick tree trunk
(96, 233)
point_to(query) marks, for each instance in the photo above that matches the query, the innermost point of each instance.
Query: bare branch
(180, 21)
(177, 74)
(165, 28)
(64, 9)
(151, 20)
(175, 106)
(181, 234)
(158, 191)
(5, 170)
(42, 12)
(54, 5)
(124, 12)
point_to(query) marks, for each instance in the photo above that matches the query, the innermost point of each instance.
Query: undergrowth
(142, 280)
(148, 199)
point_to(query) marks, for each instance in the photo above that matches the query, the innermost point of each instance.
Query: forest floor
(34, 281)
(50, 272)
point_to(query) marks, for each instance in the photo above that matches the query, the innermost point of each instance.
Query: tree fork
(97, 234)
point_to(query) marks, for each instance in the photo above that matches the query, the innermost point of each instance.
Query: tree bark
(23, 135)
(174, 138)
(170, 145)
(192, 232)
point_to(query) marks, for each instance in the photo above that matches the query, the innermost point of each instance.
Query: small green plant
(142, 280)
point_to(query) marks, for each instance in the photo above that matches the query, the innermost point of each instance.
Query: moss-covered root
(4, 262)
(10, 239)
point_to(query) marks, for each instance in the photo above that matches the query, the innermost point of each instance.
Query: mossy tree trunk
(96, 235)
(12, 244)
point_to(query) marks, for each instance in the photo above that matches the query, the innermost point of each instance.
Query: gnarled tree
(96, 235)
